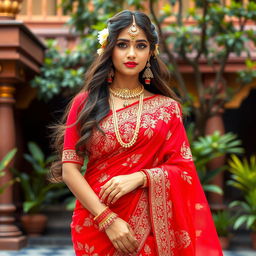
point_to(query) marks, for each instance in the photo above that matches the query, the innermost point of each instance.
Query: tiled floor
(41, 251)
(68, 251)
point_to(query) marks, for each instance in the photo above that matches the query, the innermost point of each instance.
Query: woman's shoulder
(79, 100)
(170, 105)
(80, 97)
(167, 101)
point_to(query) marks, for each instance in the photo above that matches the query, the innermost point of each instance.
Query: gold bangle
(110, 219)
(100, 213)
(145, 180)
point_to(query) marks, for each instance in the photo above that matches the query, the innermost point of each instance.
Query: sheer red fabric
(169, 217)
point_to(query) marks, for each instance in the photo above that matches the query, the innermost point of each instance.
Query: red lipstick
(130, 64)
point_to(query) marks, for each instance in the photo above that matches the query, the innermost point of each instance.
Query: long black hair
(96, 106)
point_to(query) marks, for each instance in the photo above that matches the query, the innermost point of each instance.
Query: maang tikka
(133, 30)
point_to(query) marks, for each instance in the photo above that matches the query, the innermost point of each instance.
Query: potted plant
(244, 178)
(223, 221)
(3, 164)
(36, 190)
(206, 148)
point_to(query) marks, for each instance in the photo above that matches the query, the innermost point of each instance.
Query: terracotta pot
(34, 224)
(224, 242)
(253, 237)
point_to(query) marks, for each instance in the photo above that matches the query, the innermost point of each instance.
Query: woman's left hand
(119, 186)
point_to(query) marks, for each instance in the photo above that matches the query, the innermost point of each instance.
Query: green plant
(3, 164)
(206, 148)
(243, 173)
(247, 214)
(36, 190)
(223, 221)
(244, 178)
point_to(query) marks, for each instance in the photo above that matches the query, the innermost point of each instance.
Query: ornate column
(21, 55)
(10, 236)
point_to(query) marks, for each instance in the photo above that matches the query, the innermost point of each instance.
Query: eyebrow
(137, 41)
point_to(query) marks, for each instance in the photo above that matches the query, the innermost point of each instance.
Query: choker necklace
(127, 94)
(137, 128)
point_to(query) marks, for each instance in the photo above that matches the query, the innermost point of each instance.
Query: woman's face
(129, 55)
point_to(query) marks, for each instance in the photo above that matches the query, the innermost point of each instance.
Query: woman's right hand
(122, 236)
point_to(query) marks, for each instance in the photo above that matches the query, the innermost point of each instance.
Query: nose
(131, 53)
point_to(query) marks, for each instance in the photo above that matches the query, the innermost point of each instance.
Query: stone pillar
(215, 123)
(11, 237)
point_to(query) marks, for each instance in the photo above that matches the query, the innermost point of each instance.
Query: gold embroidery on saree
(140, 221)
(186, 152)
(154, 109)
(169, 134)
(186, 177)
(165, 239)
(199, 206)
(182, 239)
(134, 159)
(70, 155)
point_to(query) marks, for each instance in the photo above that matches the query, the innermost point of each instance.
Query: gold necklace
(127, 94)
(137, 128)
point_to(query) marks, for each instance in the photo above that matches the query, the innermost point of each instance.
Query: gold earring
(148, 74)
(110, 76)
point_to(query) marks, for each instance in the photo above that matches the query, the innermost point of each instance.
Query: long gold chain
(137, 128)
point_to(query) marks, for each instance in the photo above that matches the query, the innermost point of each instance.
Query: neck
(122, 81)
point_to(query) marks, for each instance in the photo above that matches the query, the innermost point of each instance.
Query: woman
(140, 194)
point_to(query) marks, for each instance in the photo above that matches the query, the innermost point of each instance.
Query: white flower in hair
(100, 51)
(103, 36)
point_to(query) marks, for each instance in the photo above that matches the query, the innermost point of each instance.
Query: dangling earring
(148, 74)
(110, 76)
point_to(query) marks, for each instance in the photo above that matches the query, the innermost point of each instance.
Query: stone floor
(68, 251)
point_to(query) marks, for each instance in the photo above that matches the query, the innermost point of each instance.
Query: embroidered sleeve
(71, 135)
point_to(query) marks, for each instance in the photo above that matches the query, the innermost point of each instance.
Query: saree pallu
(170, 217)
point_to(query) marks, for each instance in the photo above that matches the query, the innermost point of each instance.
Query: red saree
(171, 216)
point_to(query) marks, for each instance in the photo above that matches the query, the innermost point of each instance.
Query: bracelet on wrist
(102, 215)
(145, 180)
(105, 218)
(108, 221)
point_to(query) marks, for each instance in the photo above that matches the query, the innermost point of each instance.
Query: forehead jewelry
(133, 30)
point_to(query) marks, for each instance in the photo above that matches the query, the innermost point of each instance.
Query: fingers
(116, 197)
(112, 195)
(132, 238)
(130, 243)
(110, 190)
(107, 192)
(103, 188)
(122, 247)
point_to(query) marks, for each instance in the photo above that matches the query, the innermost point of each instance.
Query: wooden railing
(51, 11)
(42, 11)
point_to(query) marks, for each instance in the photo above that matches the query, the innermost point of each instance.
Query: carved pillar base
(13, 243)
(11, 237)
